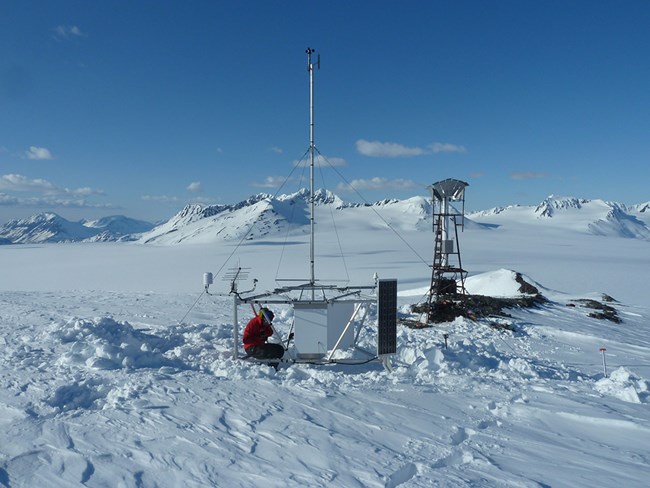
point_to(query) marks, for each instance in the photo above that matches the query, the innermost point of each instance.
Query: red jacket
(256, 332)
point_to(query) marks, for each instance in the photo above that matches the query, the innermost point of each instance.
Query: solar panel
(387, 317)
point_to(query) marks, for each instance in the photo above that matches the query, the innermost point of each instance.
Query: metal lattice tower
(448, 275)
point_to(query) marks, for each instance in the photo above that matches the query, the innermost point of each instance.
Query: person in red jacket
(256, 333)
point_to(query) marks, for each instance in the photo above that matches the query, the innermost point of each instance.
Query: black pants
(266, 351)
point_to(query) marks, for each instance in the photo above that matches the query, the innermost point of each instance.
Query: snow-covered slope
(116, 226)
(264, 216)
(46, 227)
(595, 217)
(255, 218)
(641, 212)
(50, 227)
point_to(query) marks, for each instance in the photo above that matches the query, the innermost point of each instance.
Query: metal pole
(312, 148)
(235, 329)
(602, 349)
(445, 231)
(357, 307)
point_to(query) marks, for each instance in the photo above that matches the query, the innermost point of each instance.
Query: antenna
(234, 276)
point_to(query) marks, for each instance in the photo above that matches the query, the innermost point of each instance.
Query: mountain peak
(551, 204)
(643, 208)
(321, 197)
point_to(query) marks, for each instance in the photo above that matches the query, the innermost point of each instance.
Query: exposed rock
(474, 307)
(604, 312)
(526, 287)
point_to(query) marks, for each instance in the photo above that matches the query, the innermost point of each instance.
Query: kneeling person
(256, 334)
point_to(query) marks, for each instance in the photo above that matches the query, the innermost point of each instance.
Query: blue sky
(139, 107)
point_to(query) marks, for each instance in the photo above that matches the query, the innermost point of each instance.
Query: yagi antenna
(235, 275)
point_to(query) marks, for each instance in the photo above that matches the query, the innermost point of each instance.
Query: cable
(336, 231)
(373, 209)
(194, 305)
(314, 363)
(252, 226)
(293, 211)
(517, 353)
(494, 331)
(355, 364)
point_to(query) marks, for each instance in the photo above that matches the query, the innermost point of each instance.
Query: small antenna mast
(312, 150)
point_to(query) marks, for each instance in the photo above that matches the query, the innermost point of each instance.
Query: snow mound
(500, 283)
(79, 395)
(624, 385)
(106, 344)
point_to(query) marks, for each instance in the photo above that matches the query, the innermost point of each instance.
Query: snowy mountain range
(263, 215)
(50, 227)
(597, 217)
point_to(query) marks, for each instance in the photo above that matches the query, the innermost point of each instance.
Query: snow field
(115, 373)
(136, 399)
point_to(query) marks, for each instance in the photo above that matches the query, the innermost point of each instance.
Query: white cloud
(527, 175)
(8, 199)
(440, 147)
(276, 149)
(271, 182)
(38, 153)
(194, 187)
(160, 198)
(83, 192)
(59, 202)
(49, 202)
(377, 149)
(45, 194)
(321, 161)
(204, 200)
(22, 183)
(14, 182)
(378, 183)
(67, 32)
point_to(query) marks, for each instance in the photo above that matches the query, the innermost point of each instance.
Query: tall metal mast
(312, 150)
(325, 323)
